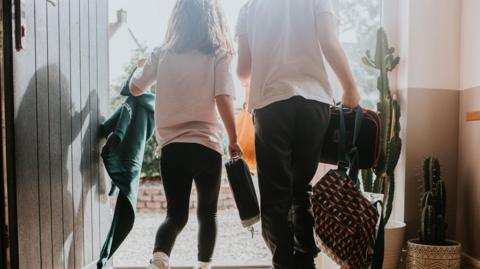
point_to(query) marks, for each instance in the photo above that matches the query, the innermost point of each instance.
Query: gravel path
(235, 245)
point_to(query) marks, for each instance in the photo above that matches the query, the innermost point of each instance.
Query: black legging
(181, 164)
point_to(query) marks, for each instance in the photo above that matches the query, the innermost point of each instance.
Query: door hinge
(20, 23)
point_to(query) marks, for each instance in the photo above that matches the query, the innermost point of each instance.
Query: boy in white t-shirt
(193, 81)
(282, 44)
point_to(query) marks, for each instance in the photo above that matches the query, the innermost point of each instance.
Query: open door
(59, 97)
(3, 243)
(7, 246)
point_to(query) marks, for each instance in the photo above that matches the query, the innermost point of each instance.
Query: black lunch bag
(368, 141)
(241, 184)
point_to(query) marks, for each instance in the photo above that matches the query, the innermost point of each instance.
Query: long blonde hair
(198, 25)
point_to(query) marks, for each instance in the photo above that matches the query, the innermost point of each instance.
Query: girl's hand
(235, 150)
(225, 108)
(141, 63)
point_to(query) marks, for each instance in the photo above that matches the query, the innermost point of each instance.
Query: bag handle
(353, 153)
(379, 248)
(348, 159)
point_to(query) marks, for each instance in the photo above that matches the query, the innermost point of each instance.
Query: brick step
(151, 197)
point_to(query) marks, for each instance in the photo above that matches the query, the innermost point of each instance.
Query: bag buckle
(343, 165)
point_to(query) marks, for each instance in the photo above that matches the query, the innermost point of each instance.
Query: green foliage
(367, 180)
(430, 174)
(117, 85)
(150, 166)
(434, 201)
(427, 234)
(389, 109)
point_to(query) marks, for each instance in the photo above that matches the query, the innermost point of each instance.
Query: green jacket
(127, 131)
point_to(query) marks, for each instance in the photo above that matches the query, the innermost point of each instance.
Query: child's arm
(244, 68)
(134, 90)
(225, 108)
(224, 89)
(146, 74)
(337, 59)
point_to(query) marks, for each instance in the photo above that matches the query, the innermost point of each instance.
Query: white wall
(403, 24)
(470, 47)
(427, 35)
(434, 44)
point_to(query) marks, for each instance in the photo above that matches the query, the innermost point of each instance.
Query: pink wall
(468, 203)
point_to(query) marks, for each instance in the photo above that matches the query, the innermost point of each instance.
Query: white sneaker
(204, 265)
(160, 260)
(154, 266)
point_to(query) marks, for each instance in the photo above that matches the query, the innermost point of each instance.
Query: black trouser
(289, 137)
(181, 164)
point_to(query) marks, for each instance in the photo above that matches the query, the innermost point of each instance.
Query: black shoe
(303, 260)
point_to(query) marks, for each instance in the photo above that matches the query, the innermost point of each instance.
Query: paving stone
(235, 245)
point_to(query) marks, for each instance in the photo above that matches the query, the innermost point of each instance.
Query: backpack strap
(379, 248)
(353, 152)
(349, 159)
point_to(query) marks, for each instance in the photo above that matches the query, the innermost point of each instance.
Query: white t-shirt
(287, 59)
(186, 87)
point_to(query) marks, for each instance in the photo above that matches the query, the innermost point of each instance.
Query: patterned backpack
(345, 220)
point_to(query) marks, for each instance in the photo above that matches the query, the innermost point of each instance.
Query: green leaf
(379, 183)
(428, 225)
(390, 197)
(369, 62)
(394, 151)
(367, 180)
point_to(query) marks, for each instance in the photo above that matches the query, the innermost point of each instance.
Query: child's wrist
(232, 139)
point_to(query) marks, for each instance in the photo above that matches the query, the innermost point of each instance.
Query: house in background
(122, 45)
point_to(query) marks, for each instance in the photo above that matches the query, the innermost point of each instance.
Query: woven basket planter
(433, 257)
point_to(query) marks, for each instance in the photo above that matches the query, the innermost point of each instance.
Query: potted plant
(381, 179)
(431, 249)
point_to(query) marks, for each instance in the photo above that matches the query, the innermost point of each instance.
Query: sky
(148, 18)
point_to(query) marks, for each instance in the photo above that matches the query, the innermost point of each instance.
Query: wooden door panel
(26, 139)
(66, 133)
(62, 207)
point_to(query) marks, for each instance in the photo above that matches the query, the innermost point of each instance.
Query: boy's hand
(351, 99)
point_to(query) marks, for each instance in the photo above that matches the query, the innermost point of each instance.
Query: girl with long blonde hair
(194, 86)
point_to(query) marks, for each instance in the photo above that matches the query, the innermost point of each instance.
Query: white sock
(204, 265)
(161, 260)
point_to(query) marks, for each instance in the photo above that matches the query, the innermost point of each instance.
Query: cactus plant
(381, 179)
(434, 200)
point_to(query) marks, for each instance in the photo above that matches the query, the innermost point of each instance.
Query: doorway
(136, 28)
(8, 245)
(3, 202)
